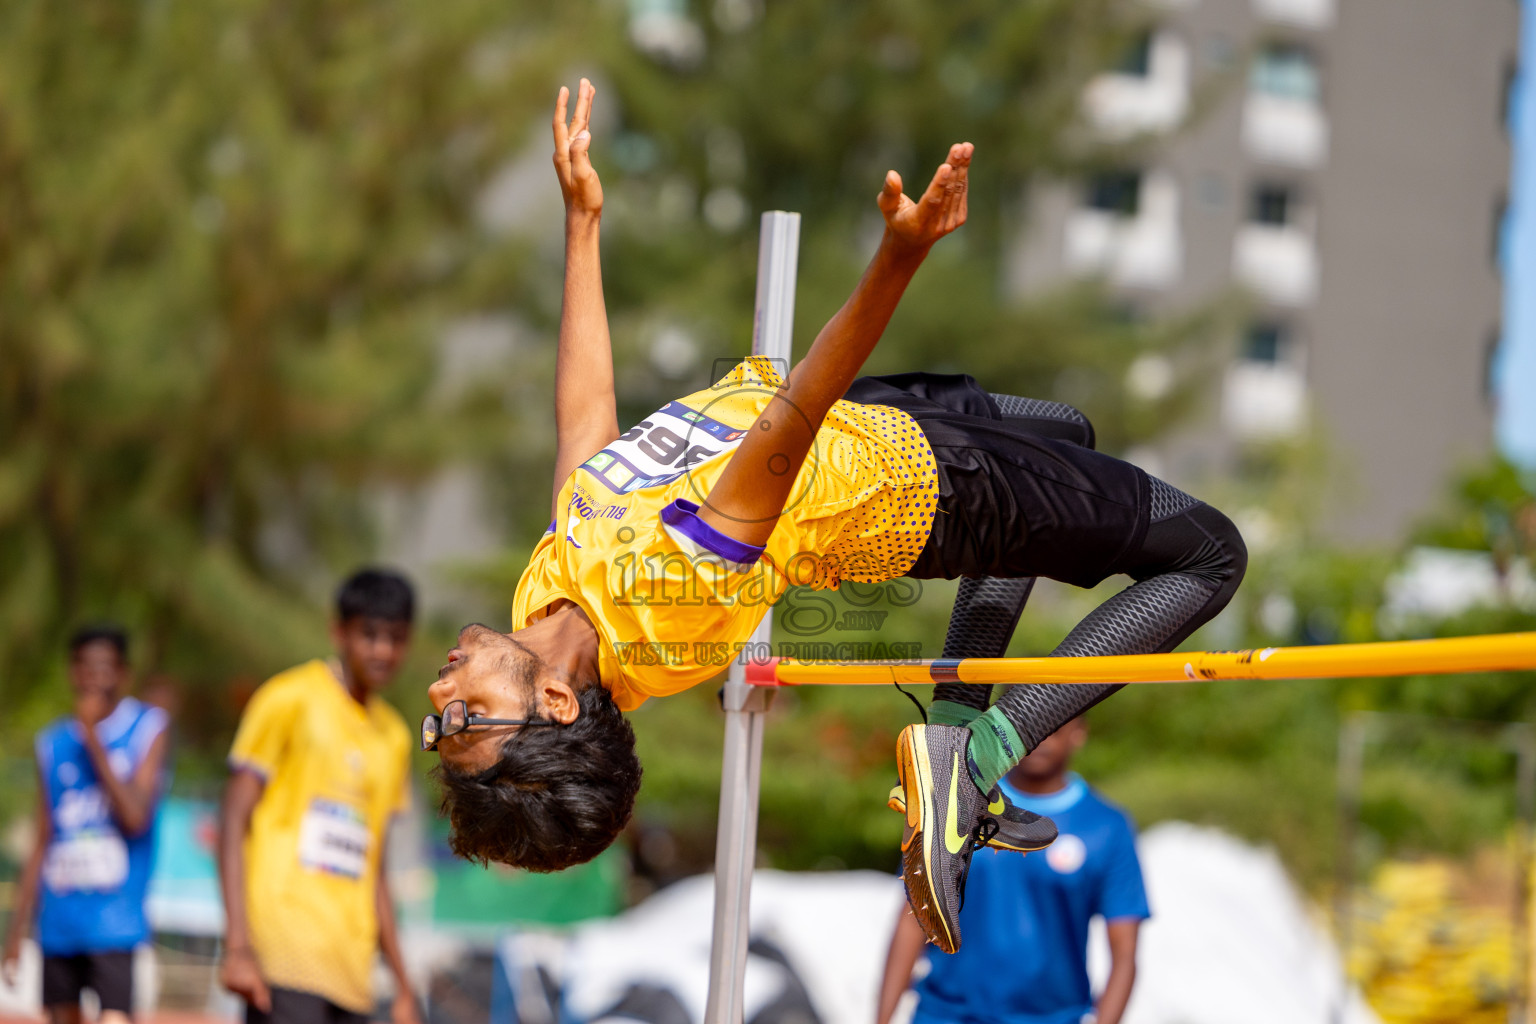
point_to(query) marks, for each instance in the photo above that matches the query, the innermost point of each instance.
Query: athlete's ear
(557, 701)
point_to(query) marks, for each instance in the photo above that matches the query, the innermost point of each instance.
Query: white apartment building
(1344, 165)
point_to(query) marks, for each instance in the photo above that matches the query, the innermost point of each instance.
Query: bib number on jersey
(92, 860)
(334, 839)
(661, 448)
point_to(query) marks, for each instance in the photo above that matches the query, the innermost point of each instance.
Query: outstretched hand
(939, 210)
(579, 186)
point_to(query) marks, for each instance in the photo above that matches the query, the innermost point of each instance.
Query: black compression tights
(1188, 568)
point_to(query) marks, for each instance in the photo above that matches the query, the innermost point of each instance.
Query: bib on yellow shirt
(335, 772)
(672, 598)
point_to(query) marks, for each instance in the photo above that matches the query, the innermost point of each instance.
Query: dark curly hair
(556, 797)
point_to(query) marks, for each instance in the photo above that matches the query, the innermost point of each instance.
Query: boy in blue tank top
(100, 774)
(1025, 919)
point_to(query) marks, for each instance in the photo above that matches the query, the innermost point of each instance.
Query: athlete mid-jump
(689, 525)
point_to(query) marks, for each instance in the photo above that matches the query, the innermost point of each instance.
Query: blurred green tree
(231, 234)
(1492, 508)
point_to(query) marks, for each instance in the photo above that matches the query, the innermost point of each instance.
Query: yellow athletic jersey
(335, 773)
(672, 598)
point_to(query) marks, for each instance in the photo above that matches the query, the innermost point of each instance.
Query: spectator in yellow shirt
(318, 768)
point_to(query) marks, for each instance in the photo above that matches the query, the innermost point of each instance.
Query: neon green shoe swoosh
(954, 839)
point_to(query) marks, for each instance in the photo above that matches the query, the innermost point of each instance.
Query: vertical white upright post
(741, 767)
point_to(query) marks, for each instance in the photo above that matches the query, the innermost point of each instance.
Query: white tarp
(1231, 942)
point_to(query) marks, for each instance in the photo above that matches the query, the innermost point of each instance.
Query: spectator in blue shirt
(100, 775)
(1025, 919)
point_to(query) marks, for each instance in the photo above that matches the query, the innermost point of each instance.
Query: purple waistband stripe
(682, 523)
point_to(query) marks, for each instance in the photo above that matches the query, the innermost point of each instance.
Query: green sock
(951, 712)
(994, 749)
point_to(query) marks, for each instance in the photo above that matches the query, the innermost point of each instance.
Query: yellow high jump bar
(1498, 652)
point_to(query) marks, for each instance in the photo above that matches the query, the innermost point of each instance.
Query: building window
(1309, 14)
(1266, 342)
(1287, 71)
(1117, 192)
(1274, 205)
(1136, 59)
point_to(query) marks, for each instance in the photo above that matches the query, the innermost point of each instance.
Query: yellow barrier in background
(1499, 652)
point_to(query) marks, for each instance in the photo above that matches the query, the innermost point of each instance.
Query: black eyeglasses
(456, 718)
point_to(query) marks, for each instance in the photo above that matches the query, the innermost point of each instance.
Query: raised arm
(747, 500)
(586, 417)
(131, 800)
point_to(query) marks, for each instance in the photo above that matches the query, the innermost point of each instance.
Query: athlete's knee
(1227, 558)
(1188, 536)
